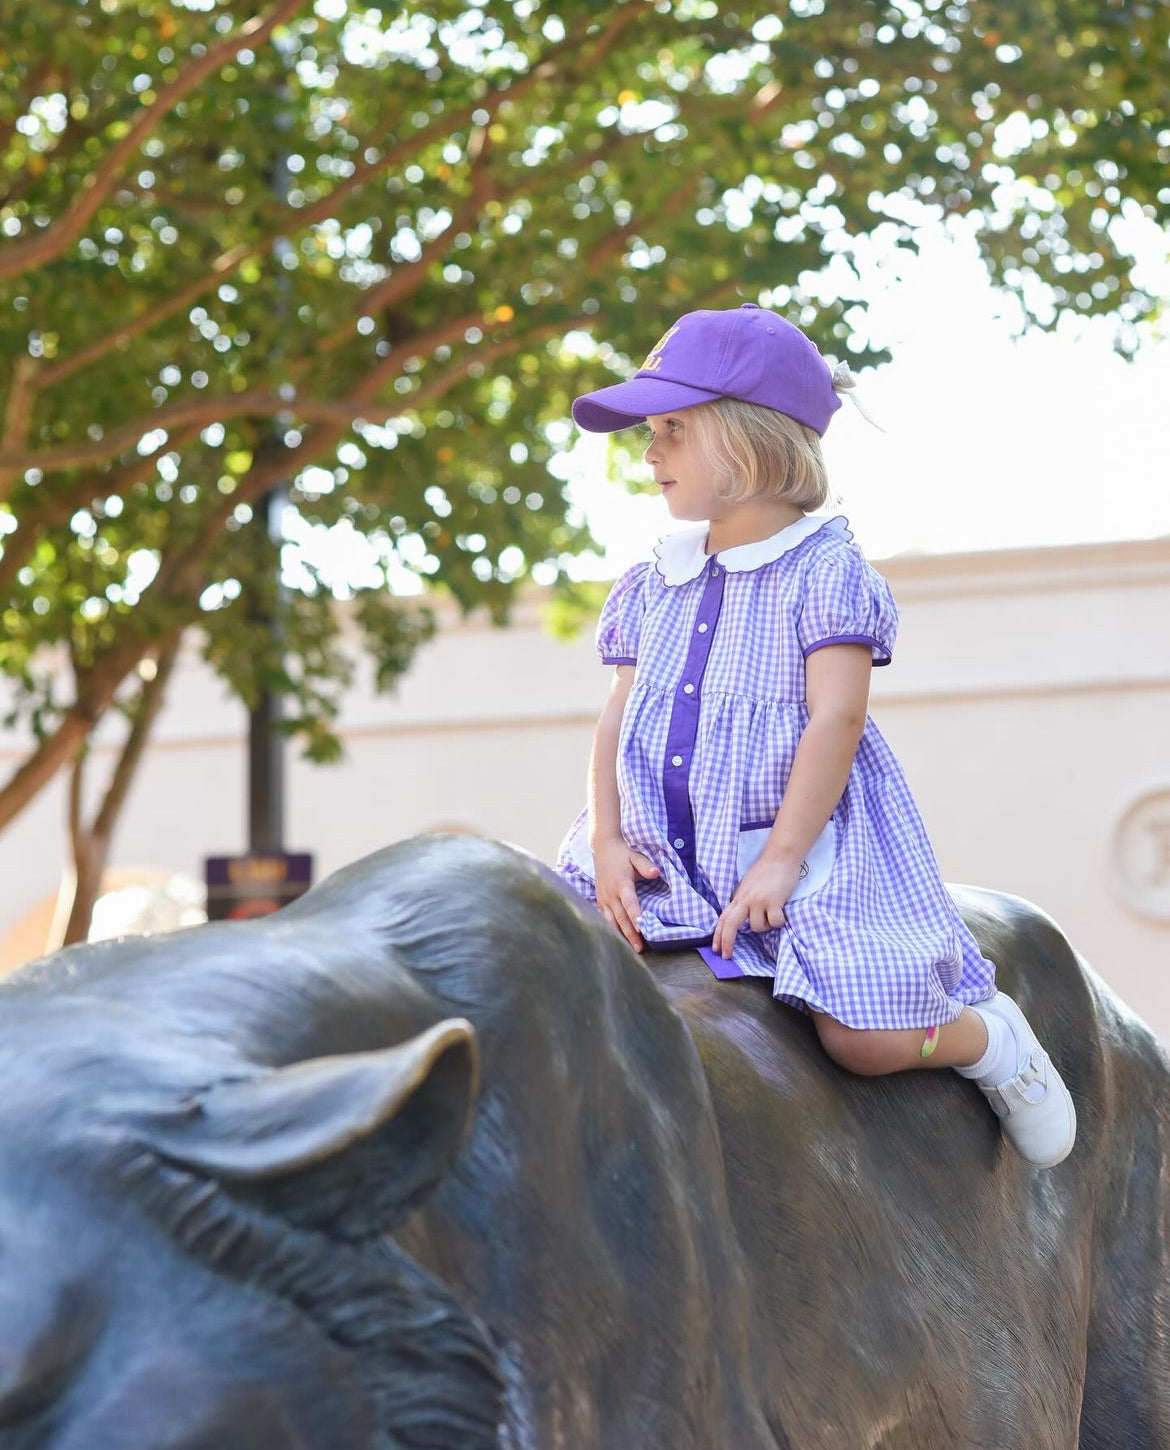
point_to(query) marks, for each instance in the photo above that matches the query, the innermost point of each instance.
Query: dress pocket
(579, 851)
(818, 863)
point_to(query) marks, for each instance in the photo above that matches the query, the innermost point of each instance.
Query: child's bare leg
(874, 1051)
(993, 1045)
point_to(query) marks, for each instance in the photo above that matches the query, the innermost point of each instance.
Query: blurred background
(301, 552)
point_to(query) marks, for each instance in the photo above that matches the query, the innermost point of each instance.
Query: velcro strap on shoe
(1028, 1088)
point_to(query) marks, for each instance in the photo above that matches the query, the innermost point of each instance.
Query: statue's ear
(351, 1141)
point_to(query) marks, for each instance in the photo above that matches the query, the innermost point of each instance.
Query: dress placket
(684, 722)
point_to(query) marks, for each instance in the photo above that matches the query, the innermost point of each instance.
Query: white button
(702, 629)
(679, 842)
(688, 689)
(676, 760)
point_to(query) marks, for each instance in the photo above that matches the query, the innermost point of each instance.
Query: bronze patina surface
(251, 1197)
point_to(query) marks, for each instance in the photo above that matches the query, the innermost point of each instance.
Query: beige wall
(1029, 701)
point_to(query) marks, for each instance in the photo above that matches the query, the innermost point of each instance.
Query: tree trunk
(89, 853)
(94, 698)
(90, 845)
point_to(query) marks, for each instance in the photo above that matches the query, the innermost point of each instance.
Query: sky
(990, 440)
(991, 437)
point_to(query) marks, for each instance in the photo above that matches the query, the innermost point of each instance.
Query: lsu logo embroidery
(654, 356)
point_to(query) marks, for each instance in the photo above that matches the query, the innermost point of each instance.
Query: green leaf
(358, 260)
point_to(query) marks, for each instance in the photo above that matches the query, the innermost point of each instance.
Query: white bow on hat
(844, 382)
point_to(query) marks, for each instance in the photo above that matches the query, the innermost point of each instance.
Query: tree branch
(91, 845)
(84, 886)
(390, 367)
(96, 688)
(66, 229)
(54, 508)
(17, 411)
(38, 769)
(180, 578)
(435, 387)
(608, 38)
(197, 411)
(150, 702)
(617, 238)
(293, 220)
(69, 143)
(222, 267)
(179, 573)
(402, 281)
(29, 91)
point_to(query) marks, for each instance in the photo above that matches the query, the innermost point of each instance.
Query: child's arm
(614, 863)
(605, 812)
(837, 691)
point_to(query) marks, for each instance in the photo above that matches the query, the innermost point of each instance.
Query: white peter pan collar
(681, 557)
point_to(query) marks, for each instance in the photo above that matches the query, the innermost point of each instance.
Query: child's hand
(616, 869)
(758, 901)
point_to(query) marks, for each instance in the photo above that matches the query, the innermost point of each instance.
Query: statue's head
(193, 1251)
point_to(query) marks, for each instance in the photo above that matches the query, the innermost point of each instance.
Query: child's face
(679, 471)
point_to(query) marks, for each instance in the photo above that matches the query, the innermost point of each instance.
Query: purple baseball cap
(744, 352)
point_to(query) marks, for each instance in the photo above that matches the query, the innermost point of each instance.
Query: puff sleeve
(620, 624)
(847, 602)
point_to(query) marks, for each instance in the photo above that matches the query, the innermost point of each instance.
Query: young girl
(740, 799)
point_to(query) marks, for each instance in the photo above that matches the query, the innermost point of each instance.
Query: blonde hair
(753, 450)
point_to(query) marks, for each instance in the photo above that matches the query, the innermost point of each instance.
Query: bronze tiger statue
(430, 1158)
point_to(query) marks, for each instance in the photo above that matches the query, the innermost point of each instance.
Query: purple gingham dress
(707, 740)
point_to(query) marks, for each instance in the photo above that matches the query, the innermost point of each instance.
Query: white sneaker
(1037, 1110)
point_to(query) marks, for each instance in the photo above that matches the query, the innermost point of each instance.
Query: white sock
(1000, 1061)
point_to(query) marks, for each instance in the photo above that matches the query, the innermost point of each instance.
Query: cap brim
(624, 404)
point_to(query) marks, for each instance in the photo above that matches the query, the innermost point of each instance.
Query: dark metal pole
(265, 742)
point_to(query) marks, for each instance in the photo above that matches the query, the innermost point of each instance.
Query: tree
(473, 191)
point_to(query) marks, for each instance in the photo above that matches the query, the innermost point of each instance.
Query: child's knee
(856, 1049)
